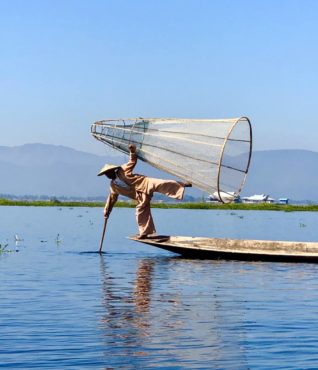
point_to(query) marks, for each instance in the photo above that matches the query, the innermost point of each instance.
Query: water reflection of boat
(218, 248)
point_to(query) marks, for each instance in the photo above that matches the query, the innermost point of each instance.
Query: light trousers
(144, 218)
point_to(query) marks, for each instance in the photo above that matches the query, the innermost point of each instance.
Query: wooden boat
(235, 249)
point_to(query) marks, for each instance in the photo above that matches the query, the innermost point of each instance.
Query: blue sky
(65, 64)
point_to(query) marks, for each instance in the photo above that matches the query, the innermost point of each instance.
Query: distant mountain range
(41, 169)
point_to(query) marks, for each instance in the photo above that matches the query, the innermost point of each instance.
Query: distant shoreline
(188, 205)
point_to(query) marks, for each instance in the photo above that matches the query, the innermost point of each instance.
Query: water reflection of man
(122, 312)
(142, 287)
(140, 188)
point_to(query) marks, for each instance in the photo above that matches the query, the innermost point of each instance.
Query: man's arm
(130, 165)
(110, 202)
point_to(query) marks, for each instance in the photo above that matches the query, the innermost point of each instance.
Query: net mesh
(213, 155)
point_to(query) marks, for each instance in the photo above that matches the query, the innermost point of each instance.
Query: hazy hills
(40, 169)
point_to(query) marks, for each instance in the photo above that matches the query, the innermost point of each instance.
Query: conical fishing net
(214, 155)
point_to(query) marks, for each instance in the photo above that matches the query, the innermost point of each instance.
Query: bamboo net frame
(214, 155)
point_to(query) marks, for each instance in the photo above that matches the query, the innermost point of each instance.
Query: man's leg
(172, 189)
(143, 215)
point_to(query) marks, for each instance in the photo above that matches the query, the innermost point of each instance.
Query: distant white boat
(226, 197)
(258, 198)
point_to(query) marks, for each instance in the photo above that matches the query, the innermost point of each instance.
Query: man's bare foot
(187, 185)
(137, 236)
(146, 236)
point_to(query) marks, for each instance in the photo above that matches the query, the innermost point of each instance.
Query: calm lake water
(137, 307)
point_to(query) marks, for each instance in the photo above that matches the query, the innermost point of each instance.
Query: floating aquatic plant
(3, 248)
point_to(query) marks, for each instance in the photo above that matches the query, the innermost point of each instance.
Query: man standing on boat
(140, 188)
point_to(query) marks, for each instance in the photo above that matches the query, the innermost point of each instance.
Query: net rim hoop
(222, 154)
(233, 120)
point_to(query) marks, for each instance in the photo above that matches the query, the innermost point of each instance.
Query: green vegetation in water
(240, 206)
(48, 203)
(188, 205)
(3, 248)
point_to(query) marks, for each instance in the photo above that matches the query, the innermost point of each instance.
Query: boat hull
(236, 249)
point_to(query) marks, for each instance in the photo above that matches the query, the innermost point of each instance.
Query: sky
(66, 64)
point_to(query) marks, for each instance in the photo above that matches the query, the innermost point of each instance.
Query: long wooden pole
(102, 240)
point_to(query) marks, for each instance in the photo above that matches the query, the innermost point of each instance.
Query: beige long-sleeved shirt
(135, 183)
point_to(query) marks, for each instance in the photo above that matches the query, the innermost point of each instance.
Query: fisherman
(140, 188)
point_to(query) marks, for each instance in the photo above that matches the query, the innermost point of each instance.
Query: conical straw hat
(107, 167)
